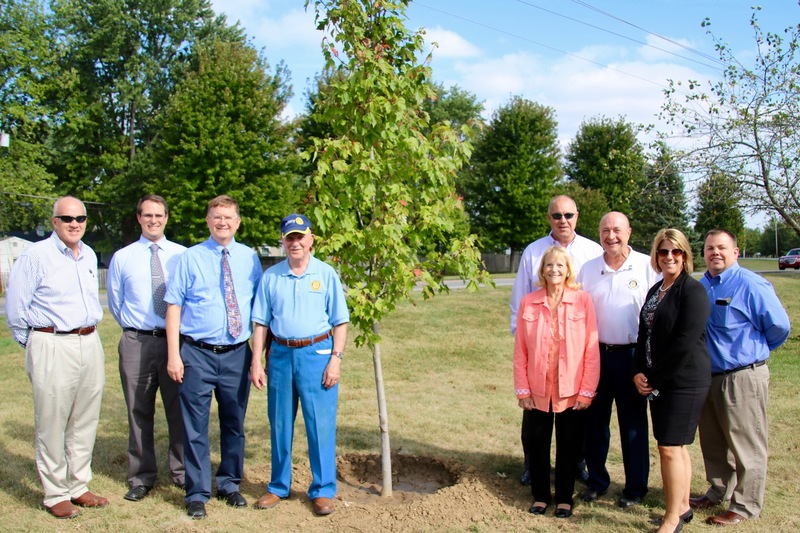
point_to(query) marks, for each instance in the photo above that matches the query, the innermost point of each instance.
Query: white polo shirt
(618, 295)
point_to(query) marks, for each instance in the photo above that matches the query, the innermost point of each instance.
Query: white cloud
(450, 44)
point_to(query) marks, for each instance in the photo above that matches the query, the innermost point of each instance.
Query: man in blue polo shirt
(301, 304)
(747, 322)
(209, 299)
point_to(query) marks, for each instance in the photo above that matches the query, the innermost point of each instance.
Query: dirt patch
(429, 494)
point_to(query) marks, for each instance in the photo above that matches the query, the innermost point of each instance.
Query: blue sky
(583, 59)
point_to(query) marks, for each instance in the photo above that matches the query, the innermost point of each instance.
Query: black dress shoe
(137, 493)
(233, 499)
(563, 513)
(537, 509)
(196, 510)
(627, 503)
(685, 518)
(590, 495)
(525, 478)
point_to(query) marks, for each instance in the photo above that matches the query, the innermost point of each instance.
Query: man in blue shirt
(137, 278)
(52, 309)
(210, 297)
(301, 303)
(747, 321)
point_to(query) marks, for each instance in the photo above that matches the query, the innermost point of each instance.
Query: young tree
(746, 125)
(383, 199)
(718, 198)
(512, 176)
(606, 156)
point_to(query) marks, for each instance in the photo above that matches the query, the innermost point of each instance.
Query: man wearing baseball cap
(301, 304)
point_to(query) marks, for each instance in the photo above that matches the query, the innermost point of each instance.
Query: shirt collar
(725, 275)
(63, 248)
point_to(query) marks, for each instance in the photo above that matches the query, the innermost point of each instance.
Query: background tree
(383, 197)
(607, 156)
(221, 134)
(124, 60)
(777, 238)
(456, 105)
(512, 175)
(27, 81)
(746, 125)
(661, 203)
(718, 198)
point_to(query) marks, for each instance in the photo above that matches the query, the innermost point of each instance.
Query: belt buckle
(214, 348)
(294, 343)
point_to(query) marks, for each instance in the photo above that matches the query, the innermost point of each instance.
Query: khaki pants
(67, 373)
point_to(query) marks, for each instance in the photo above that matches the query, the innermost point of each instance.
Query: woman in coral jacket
(556, 370)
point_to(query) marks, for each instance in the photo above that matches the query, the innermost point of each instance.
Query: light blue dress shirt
(196, 286)
(129, 282)
(48, 287)
(299, 307)
(747, 319)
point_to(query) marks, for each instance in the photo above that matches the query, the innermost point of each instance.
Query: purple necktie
(231, 305)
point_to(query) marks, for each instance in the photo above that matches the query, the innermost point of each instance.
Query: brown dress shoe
(728, 518)
(63, 510)
(323, 506)
(701, 502)
(268, 501)
(87, 499)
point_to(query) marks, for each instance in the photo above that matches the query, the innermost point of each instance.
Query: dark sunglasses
(68, 219)
(663, 252)
(557, 216)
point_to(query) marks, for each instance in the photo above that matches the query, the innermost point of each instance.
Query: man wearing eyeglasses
(136, 282)
(747, 322)
(562, 215)
(618, 282)
(52, 309)
(208, 325)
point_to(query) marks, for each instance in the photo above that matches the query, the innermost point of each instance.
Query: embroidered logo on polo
(633, 284)
(316, 285)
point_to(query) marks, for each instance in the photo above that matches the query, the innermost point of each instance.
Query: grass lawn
(447, 364)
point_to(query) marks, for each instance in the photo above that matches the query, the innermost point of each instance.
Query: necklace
(665, 289)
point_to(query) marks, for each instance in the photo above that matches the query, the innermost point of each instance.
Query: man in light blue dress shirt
(143, 345)
(210, 297)
(747, 322)
(52, 309)
(300, 301)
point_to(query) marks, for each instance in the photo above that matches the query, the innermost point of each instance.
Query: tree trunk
(383, 419)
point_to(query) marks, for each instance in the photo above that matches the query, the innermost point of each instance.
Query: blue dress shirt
(196, 286)
(49, 287)
(129, 283)
(747, 319)
(298, 307)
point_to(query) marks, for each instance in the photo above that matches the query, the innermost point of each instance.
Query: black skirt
(676, 413)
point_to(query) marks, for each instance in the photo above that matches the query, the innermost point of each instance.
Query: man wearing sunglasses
(562, 215)
(747, 322)
(52, 309)
(137, 279)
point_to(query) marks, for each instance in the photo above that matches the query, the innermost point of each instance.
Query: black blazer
(678, 341)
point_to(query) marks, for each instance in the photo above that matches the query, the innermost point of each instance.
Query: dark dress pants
(570, 427)
(616, 384)
(226, 376)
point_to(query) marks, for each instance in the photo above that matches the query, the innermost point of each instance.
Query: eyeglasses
(68, 219)
(219, 218)
(557, 216)
(663, 252)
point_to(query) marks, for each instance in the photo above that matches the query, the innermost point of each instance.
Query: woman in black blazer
(672, 368)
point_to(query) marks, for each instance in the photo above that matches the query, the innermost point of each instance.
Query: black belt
(148, 332)
(302, 343)
(215, 348)
(745, 367)
(616, 347)
(76, 331)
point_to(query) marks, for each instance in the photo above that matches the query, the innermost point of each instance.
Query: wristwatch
(340, 355)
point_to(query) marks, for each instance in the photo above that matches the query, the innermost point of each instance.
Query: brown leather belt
(77, 331)
(302, 343)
